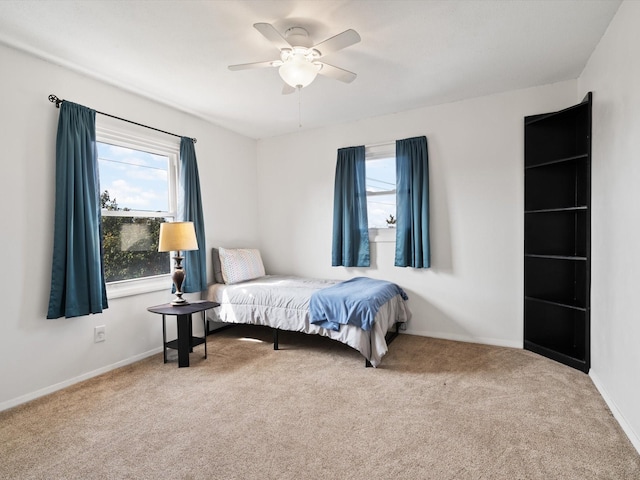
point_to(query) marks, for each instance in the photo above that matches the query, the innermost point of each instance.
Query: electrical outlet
(99, 334)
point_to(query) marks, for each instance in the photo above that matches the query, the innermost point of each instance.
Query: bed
(282, 302)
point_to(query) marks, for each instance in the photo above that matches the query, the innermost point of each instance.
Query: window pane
(381, 195)
(381, 174)
(131, 248)
(379, 208)
(134, 179)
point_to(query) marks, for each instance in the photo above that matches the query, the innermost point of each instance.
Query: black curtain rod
(58, 101)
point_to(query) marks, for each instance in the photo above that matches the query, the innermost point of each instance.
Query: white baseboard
(633, 436)
(498, 342)
(59, 386)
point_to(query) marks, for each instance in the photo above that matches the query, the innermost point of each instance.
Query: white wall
(40, 355)
(613, 75)
(474, 290)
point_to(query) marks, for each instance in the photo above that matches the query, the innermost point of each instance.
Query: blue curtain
(412, 203)
(190, 210)
(350, 227)
(77, 273)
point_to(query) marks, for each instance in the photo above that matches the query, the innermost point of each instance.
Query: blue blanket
(354, 302)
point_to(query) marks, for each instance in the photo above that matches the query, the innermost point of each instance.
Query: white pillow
(240, 264)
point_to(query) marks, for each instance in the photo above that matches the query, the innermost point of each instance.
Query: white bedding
(282, 302)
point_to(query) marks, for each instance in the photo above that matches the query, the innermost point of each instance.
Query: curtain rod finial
(56, 100)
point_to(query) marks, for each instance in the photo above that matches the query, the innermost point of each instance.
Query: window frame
(375, 152)
(137, 138)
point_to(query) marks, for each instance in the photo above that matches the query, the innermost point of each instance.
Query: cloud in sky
(136, 197)
(137, 180)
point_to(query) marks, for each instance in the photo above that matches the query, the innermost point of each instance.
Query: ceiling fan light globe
(298, 72)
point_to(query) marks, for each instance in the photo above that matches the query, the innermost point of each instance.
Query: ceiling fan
(299, 58)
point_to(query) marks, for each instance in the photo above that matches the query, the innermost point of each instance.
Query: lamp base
(178, 278)
(179, 301)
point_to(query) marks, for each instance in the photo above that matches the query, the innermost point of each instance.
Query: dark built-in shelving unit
(557, 234)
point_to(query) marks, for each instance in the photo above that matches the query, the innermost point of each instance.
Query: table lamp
(177, 237)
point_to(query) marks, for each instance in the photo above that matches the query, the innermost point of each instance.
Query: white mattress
(282, 302)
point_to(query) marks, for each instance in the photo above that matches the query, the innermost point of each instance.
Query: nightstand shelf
(194, 342)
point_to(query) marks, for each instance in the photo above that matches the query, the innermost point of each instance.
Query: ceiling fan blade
(337, 73)
(246, 66)
(337, 42)
(287, 89)
(272, 35)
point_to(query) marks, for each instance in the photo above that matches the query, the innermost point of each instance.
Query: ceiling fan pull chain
(299, 107)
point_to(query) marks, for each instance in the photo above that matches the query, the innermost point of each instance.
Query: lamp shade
(297, 71)
(177, 236)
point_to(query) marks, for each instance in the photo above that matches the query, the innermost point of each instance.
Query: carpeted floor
(435, 409)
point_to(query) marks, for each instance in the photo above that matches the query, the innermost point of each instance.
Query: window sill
(127, 288)
(382, 235)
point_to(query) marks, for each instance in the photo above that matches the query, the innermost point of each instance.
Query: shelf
(557, 304)
(556, 257)
(581, 364)
(533, 119)
(582, 156)
(562, 209)
(195, 341)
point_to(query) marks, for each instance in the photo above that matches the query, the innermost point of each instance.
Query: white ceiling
(413, 53)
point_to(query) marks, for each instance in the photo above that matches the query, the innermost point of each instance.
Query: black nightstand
(185, 341)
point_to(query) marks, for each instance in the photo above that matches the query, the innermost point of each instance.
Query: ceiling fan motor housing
(298, 37)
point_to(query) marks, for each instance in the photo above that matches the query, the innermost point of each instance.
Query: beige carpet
(435, 409)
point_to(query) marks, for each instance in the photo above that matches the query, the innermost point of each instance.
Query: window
(138, 177)
(381, 185)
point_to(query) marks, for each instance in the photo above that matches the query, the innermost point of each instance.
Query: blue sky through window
(137, 180)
